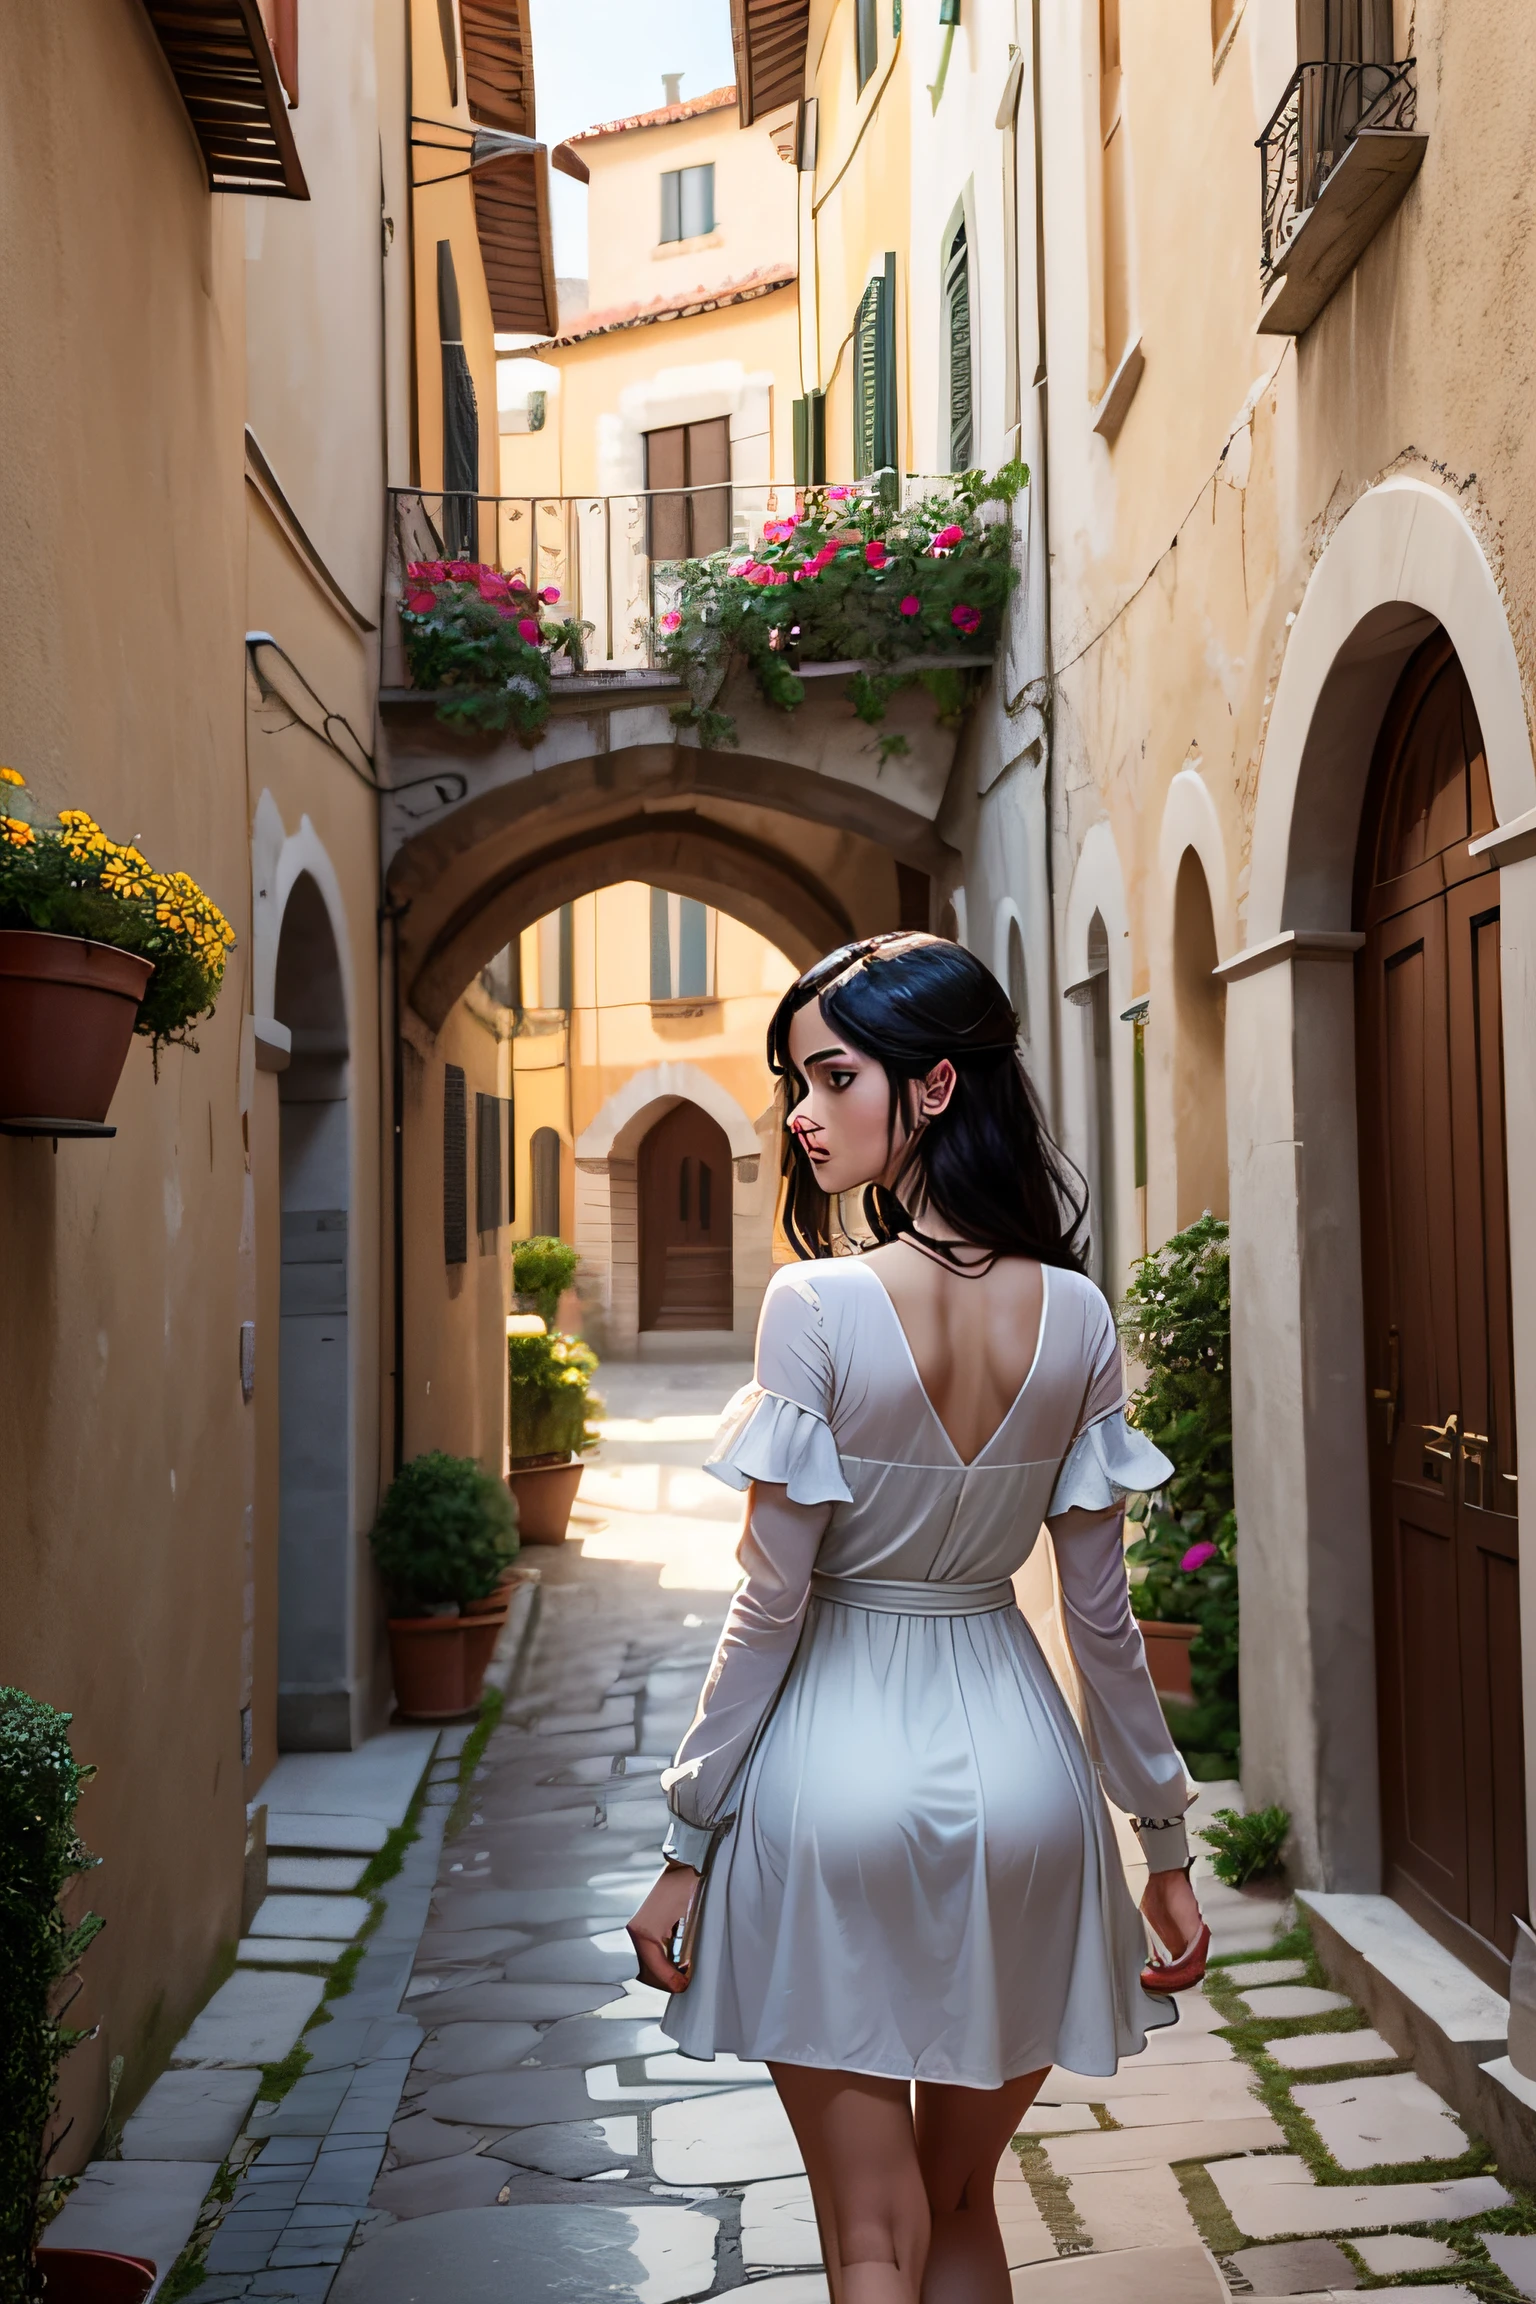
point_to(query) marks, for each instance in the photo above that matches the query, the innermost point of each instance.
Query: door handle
(1474, 1470)
(1388, 1395)
(1446, 1432)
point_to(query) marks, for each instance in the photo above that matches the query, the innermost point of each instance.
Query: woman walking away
(890, 1859)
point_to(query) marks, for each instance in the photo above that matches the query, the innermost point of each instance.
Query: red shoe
(1160, 1975)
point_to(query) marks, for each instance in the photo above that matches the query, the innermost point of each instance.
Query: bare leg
(961, 2134)
(855, 2133)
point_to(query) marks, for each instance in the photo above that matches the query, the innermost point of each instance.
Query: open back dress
(909, 1866)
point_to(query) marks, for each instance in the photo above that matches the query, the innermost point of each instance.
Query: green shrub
(1246, 1848)
(445, 1531)
(40, 1783)
(1177, 1320)
(543, 1268)
(550, 1396)
(483, 642)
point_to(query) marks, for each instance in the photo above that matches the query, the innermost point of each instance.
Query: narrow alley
(492, 2113)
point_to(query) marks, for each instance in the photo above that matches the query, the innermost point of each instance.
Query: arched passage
(315, 1586)
(1199, 1051)
(1403, 562)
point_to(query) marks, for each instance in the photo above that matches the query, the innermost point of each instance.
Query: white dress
(910, 1867)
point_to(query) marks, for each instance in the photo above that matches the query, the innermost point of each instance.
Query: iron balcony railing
(615, 559)
(1323, 109)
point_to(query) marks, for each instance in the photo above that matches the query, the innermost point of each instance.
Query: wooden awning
(511, 195)
(512, 214)
(769, 38)
(222, 63)
(498, 63)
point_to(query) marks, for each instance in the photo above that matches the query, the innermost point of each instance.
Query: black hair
(986, 1164)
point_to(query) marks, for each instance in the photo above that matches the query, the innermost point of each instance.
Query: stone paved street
(544, 2141)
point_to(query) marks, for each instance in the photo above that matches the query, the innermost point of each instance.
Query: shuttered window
(490, 1132)
(461, 417)
(689, 465)
(867, 38)
(544, 1159)
(455, 1167)
(874, 375)
(957, 305)
(682, 943)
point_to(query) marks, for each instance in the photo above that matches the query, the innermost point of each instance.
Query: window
(682, 947)
(874, 375)
(866, 38)
(688, 202)
(450, 38)
(1115, 228)
(544, 1159)
(957, 307)
(691, 465)
(556, 946)
(1344, 31)
(455, 1167)
(810, 439)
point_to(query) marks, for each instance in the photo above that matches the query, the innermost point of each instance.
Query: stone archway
(1402, 561)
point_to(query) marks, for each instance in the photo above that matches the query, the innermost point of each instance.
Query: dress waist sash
(896, 1599)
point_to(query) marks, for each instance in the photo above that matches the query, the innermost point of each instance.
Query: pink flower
(947, 539)
(874, 554)
(671, 620)
(490, 586)
(911, 606)
(550, 595)
(425, 572)
(965, 618)
(529, 629)
(838, 495)
(779, 531)
(1196, 1557)
(741, 567)
(505, 610)
(421, 603)
(462, 571)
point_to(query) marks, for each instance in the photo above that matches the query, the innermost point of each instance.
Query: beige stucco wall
(120, 692)
(628, 260)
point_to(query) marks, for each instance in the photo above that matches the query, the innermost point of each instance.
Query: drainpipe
(392, 914)
(1042, 390)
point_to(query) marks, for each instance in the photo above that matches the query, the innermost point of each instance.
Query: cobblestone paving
(545, 2143)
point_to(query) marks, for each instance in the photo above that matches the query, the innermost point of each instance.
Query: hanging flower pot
(95, 945)
(67, 1013)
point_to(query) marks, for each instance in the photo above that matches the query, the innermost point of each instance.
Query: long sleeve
(1138, 1763)
(774, 1439)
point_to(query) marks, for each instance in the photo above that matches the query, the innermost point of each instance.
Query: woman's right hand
(655, 1924)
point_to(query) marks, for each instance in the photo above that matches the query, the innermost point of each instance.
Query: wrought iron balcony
(1335, 160)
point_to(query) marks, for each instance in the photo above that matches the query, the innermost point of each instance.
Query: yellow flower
(15, 833)
(11, 776)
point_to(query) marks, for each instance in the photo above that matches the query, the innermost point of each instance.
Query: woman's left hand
(655, 1924)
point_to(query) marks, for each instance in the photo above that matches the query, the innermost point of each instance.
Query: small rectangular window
(455, 1167)
(682, 947)
(688, 202)
(866, 38)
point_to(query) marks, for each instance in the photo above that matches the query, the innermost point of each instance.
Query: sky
(600, 59)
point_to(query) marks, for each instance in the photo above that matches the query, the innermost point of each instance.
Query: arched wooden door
(1438, 1328)
(685, 1222)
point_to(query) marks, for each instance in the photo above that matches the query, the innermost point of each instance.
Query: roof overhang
(222, 63)
(769, 37)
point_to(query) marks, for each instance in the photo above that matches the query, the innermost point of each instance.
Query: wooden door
(1438, 1341)
(685, 1222)
(695, 457)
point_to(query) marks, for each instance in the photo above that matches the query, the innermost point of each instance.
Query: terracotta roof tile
(678, 306)
(716, 101)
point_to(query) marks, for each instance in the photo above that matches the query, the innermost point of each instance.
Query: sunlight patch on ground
(693, 1555)
(670, 1488)
(665, 1431)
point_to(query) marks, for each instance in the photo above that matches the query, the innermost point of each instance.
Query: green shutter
(567, 958)
(958, 302)
(866, 38)
(692, 949)
(672, 204)
(874, 376)
(661, 946)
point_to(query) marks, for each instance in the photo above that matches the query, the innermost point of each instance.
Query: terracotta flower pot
(67, 1010)
(1168, 1656)
(91, 2276)
(439, 1662)
(545, 1494)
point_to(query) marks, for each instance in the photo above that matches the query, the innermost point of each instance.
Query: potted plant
(550, 1400)
(445, 1534)
(40, 1785)
(482, 643)
(1177, 1321)
(95, 945)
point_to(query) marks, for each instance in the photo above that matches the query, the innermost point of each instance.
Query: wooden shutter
(693, 949)
(661, 945)
(958, 301)
(455, 1167)
(672, 204)
(874, 375)
(544, 1151)
(866, 38)
(461, 415)
(511, 1110)
(567, 957)
(709, 468)
(666, 466)
(488, 1126)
